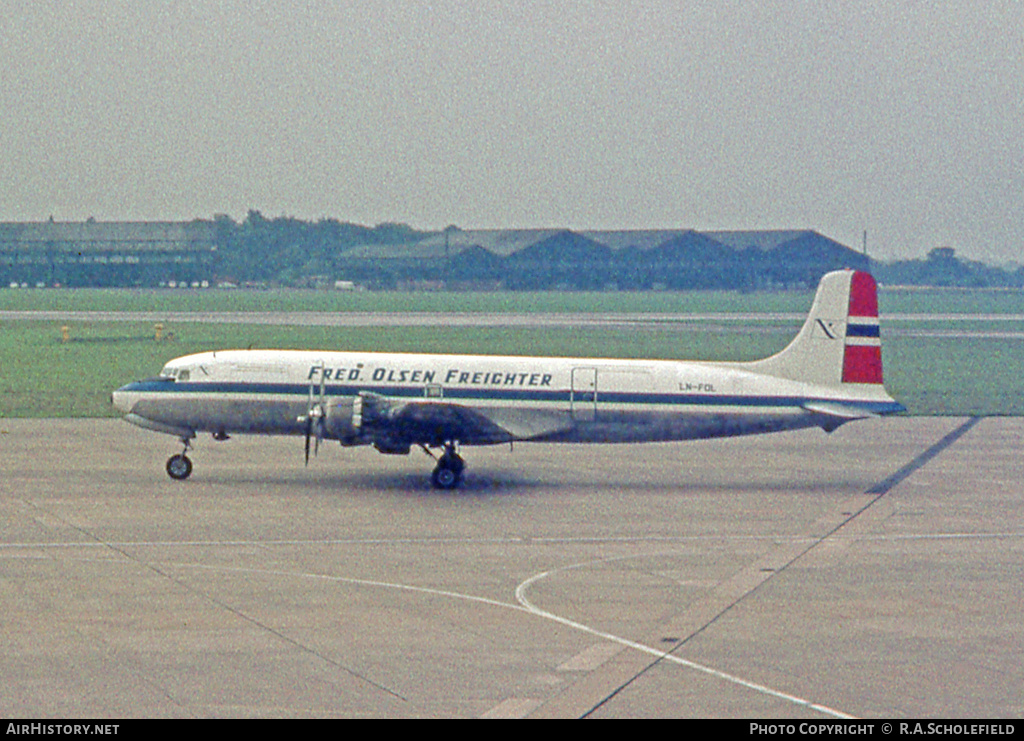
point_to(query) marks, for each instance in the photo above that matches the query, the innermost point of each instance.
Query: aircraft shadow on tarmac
(482, 481)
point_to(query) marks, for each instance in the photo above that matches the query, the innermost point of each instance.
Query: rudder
(862, 347)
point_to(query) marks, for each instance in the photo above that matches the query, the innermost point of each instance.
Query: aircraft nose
(122, 399)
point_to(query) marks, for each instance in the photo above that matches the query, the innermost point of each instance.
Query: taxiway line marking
(756, 579)
(660, 654)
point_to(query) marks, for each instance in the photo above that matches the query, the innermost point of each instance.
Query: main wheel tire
(445, 477)
(179, 467)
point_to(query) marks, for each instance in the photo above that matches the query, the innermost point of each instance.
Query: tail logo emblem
(829, 328)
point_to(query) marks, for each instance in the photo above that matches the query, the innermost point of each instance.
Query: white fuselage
(510, 398)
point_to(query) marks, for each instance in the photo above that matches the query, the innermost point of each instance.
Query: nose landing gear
(179, 467)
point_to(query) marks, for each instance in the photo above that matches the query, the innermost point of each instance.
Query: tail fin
(839, 343)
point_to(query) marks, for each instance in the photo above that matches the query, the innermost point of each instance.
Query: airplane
(830, 374)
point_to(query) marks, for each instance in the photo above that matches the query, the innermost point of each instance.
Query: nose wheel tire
(179, 467)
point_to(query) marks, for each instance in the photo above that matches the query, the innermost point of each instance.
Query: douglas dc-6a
(830, 374)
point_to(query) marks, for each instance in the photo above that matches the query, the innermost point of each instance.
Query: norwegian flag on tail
(862, 355)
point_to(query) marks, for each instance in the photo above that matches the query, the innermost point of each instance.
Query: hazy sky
(902, 118)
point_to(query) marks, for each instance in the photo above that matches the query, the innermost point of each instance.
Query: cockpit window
(175, 374)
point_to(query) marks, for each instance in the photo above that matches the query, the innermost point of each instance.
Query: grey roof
(505, 242)
(106, 235)
(762, 240)
(643, 239)
(502, 242)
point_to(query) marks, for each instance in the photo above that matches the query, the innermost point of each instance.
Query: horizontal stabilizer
(835, 413)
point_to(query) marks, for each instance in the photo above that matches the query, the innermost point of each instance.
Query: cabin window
(183, 374)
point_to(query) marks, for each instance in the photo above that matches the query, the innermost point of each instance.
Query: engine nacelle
(363, 419)
(338, 421)
(372, 412)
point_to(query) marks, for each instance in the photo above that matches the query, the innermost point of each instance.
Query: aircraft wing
(397, 423)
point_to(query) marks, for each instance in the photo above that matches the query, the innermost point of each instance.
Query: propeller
(315, 414)
(315, 418)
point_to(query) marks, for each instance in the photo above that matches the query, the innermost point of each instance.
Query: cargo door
(583, 395)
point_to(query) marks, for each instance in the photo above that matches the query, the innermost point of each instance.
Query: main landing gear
(179, 467)
(448, 472)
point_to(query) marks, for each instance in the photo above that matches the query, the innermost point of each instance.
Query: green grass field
(932, 301)
(43, 376)
(397, 301)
